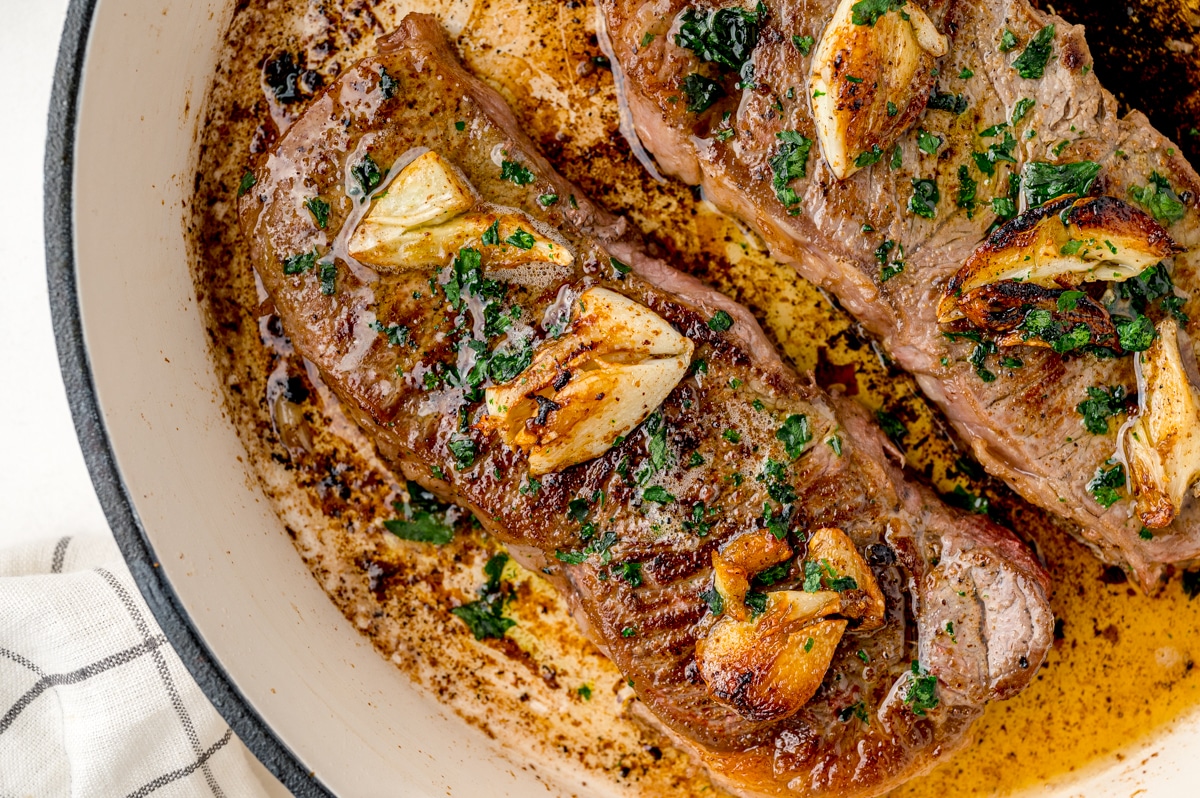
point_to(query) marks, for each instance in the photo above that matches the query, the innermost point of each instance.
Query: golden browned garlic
(1162, 444)
(1062, 244)
(617, 362)
(425, 215)
(869, 82)
(766, 666)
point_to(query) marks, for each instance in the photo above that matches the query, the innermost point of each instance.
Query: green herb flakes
(795, 434)
(790, 163)
(720, 321)
(1031, 64)
(922, 691)
(1106, 484)
(515, 173)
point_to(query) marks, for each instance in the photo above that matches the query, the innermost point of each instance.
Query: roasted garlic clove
(427, 191)
(1162, 444)
(617, 362)
(870, 82)
(1003, 308)
(513, 242)
(739, 561)
(1063, 243)
(421, 219)
(768, 667)
(832, 549)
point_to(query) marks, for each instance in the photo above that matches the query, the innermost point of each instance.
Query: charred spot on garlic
(623, 360)
(429, 211)
(1162, 444)
(1061, 244)
(767, 665)
(869, 83)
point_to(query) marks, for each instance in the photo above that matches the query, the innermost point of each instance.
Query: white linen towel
(93, 700)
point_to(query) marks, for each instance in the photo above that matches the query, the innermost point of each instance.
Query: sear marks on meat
(741, 445)
(932, 197)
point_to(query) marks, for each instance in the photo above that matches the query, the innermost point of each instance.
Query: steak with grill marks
(628, 537)
(984, 122)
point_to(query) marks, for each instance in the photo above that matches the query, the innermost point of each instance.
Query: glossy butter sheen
(548, 66)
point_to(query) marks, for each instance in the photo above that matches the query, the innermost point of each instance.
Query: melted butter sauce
(1121, 670)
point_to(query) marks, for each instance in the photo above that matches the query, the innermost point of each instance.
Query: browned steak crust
(964, 597)
(1023, 426)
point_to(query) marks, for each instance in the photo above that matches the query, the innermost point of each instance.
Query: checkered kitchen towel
(93, 700)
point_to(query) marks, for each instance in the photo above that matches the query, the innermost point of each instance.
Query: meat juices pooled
(631, 435)
(875, 146)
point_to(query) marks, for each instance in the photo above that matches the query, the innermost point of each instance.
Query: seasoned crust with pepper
(740, 446)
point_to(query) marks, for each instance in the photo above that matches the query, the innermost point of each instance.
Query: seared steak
(887, 239)
(742, 451)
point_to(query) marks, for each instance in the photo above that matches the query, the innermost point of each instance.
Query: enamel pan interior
(304, 690)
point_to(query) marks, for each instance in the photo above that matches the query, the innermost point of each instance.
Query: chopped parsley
(720, 321)
(835, 443)
(484, 617)
(368, 175)
(300, 263)
(631, 572)
(460, 126)
(463, 450)
(1008, 41)
(790, 163)
(1160, 199)
(1101, 404)
(967, 188)
(515, 173)
(491, 236)
(387, 84)
(1031, 64)
(1020, 109)
(546, 200)
(424, 521)
(1042, 182)
(883, 253)
(757, 602)
(726, 37)
(1105, 485)
(924, 199)
(803, 43)
(944, 101)
(248, 182)
(922, 692)
(319, 209)
(1137, 334)
(795, 434)
(701, 92)
(327, 272)
(865, 159)
(892, 427)
(868, 12)
(521, 239)
(997, 151)
(714, 600)
(657, 494)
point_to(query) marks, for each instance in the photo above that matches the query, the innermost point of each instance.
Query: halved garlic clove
(1162, 446)
(421, 219)
(864, 601)
(427, 191)
(768, 667)
(619, 360)
(740, 559)
(391, 249)
(869, 83)
(1003, 307)
(1063, 243)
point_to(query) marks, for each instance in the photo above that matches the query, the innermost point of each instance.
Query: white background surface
(45, 490)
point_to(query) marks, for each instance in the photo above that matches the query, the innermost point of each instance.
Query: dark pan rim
(114, 497)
